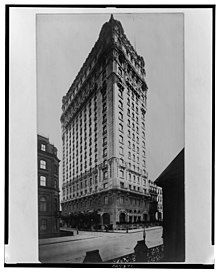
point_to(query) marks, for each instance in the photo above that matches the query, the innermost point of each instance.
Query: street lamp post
(144, 234)
(127, 222)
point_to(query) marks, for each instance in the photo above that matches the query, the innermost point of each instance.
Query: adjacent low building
(172, 182)
(48, 189)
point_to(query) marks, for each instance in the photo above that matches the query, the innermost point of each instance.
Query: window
(105, 163)
(106, 200)
(129, 176)
(120, 93)
(121, 127)
(129, 112)
(105, 175)
(119, 71)
(122, 200)
(128, 104)
(129, 155)
(122, 184)
(42, 164)
(121, 150)
(43, 147)
(133, 126)
(120, 104)
(121, 139)
(43, 225)
(104, 140)
(122, 173)
(120, 116)
(43, 204)
(104, 152)
(42, 180)
(104, 129)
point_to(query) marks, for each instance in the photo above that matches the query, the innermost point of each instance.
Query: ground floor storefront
(110, 210)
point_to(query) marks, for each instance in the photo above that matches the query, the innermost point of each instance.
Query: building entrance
(106, 219)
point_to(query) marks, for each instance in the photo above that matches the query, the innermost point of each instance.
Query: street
(73, 249)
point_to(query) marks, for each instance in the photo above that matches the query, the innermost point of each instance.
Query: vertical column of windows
(121, 118)
(81, 142)
(95, 129)
(104, 123)
(73, 150)
(90, 132)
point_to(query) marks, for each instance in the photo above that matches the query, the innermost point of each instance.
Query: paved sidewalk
(85, 235)
(65, 239)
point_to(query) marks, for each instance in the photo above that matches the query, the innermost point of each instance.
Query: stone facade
(103, 132)
(48, 189)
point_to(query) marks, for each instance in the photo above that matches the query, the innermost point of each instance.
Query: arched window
(43, 204)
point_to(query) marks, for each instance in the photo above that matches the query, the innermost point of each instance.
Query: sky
(63, 44)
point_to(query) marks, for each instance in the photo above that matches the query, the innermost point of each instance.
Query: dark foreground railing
(153, 254)
(141, 254)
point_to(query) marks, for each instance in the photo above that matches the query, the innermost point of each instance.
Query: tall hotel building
(104, 134)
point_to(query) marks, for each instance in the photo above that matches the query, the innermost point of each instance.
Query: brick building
(104, 134)
(48, 189)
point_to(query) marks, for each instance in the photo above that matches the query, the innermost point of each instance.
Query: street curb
(123, 231)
